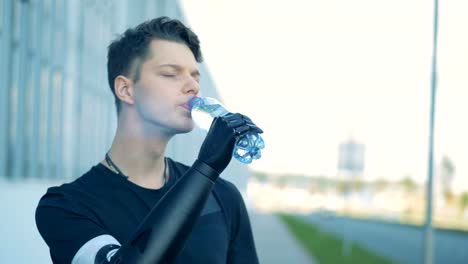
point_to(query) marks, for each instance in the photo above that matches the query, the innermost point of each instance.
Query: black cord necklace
(112, 164)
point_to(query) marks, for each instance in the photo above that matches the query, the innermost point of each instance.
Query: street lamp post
(428, 234)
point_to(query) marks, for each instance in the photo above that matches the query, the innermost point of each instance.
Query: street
(403, 244)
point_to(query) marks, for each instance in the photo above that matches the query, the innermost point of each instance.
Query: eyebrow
(178, 67)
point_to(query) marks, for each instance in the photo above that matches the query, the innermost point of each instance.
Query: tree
(381, 184)
(409, 184)
(282, 181)
(447, 174)
(357, 185)
(343, 187)
(261, 176)
(464, 201)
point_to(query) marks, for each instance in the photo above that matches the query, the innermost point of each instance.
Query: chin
(186, 128)
(184, 131)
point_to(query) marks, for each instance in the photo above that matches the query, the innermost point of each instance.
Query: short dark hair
(127, 53)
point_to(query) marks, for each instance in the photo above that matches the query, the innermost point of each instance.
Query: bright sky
(314, 73)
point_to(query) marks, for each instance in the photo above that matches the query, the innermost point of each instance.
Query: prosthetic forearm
(163, 232)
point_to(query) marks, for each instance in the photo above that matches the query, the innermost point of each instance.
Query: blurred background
(341, 88)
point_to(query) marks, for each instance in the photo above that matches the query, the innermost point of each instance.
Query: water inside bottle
(202, 119)
(203, 115)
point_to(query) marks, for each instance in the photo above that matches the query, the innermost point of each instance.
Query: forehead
(169, 52)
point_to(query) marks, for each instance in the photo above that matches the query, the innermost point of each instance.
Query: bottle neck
(192, 101)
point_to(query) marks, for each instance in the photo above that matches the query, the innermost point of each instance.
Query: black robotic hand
(216, 150)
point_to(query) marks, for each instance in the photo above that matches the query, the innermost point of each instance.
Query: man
(136, 202)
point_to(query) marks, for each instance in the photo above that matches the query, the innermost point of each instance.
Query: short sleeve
(63, 226)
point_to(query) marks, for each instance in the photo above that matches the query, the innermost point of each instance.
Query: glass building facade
(57, 114)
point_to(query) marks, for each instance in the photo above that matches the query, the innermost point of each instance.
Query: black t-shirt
(101, 204)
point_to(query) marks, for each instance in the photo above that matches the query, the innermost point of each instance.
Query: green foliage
(464, 200)
(409, 184)
(260, 176)
(342, 187)
(381, 184)
(357, 185)
(448, 172)
(448, 166)
(326, 248)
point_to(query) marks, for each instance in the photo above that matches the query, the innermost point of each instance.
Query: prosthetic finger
(241, 130)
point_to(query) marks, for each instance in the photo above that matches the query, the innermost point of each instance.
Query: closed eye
(168, 75)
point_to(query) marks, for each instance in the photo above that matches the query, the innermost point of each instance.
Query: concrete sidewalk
(275, 245)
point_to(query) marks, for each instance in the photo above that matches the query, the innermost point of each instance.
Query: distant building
(351, 158)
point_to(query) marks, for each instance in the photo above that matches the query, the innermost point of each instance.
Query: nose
(192, 86)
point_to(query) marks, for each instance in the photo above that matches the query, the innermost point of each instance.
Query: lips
(189, 101)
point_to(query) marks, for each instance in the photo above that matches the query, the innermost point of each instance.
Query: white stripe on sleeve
(87, 253)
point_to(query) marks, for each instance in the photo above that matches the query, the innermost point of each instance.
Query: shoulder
(227, 188)
(71, 201)
(222, 187)
(65, 213)
(229, 198)
(232, 204)
(226, 192)
(177, 167)
(64, 194)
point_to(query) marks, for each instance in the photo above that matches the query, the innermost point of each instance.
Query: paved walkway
(275, 245)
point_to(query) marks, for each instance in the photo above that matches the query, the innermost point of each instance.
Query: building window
(56, 106)
(2, 15)
(44, 99)
(13, 112)
(17, 23)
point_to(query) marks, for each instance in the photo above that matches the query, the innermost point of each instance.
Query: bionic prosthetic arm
(163, 232)
(165, 228)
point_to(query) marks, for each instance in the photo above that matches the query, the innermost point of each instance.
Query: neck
(139, 155)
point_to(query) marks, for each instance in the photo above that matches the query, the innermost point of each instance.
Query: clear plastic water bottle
(205, 109)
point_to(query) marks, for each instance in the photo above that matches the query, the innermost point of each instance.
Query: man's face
(167, 79)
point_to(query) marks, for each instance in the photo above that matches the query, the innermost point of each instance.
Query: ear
(123, 88)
